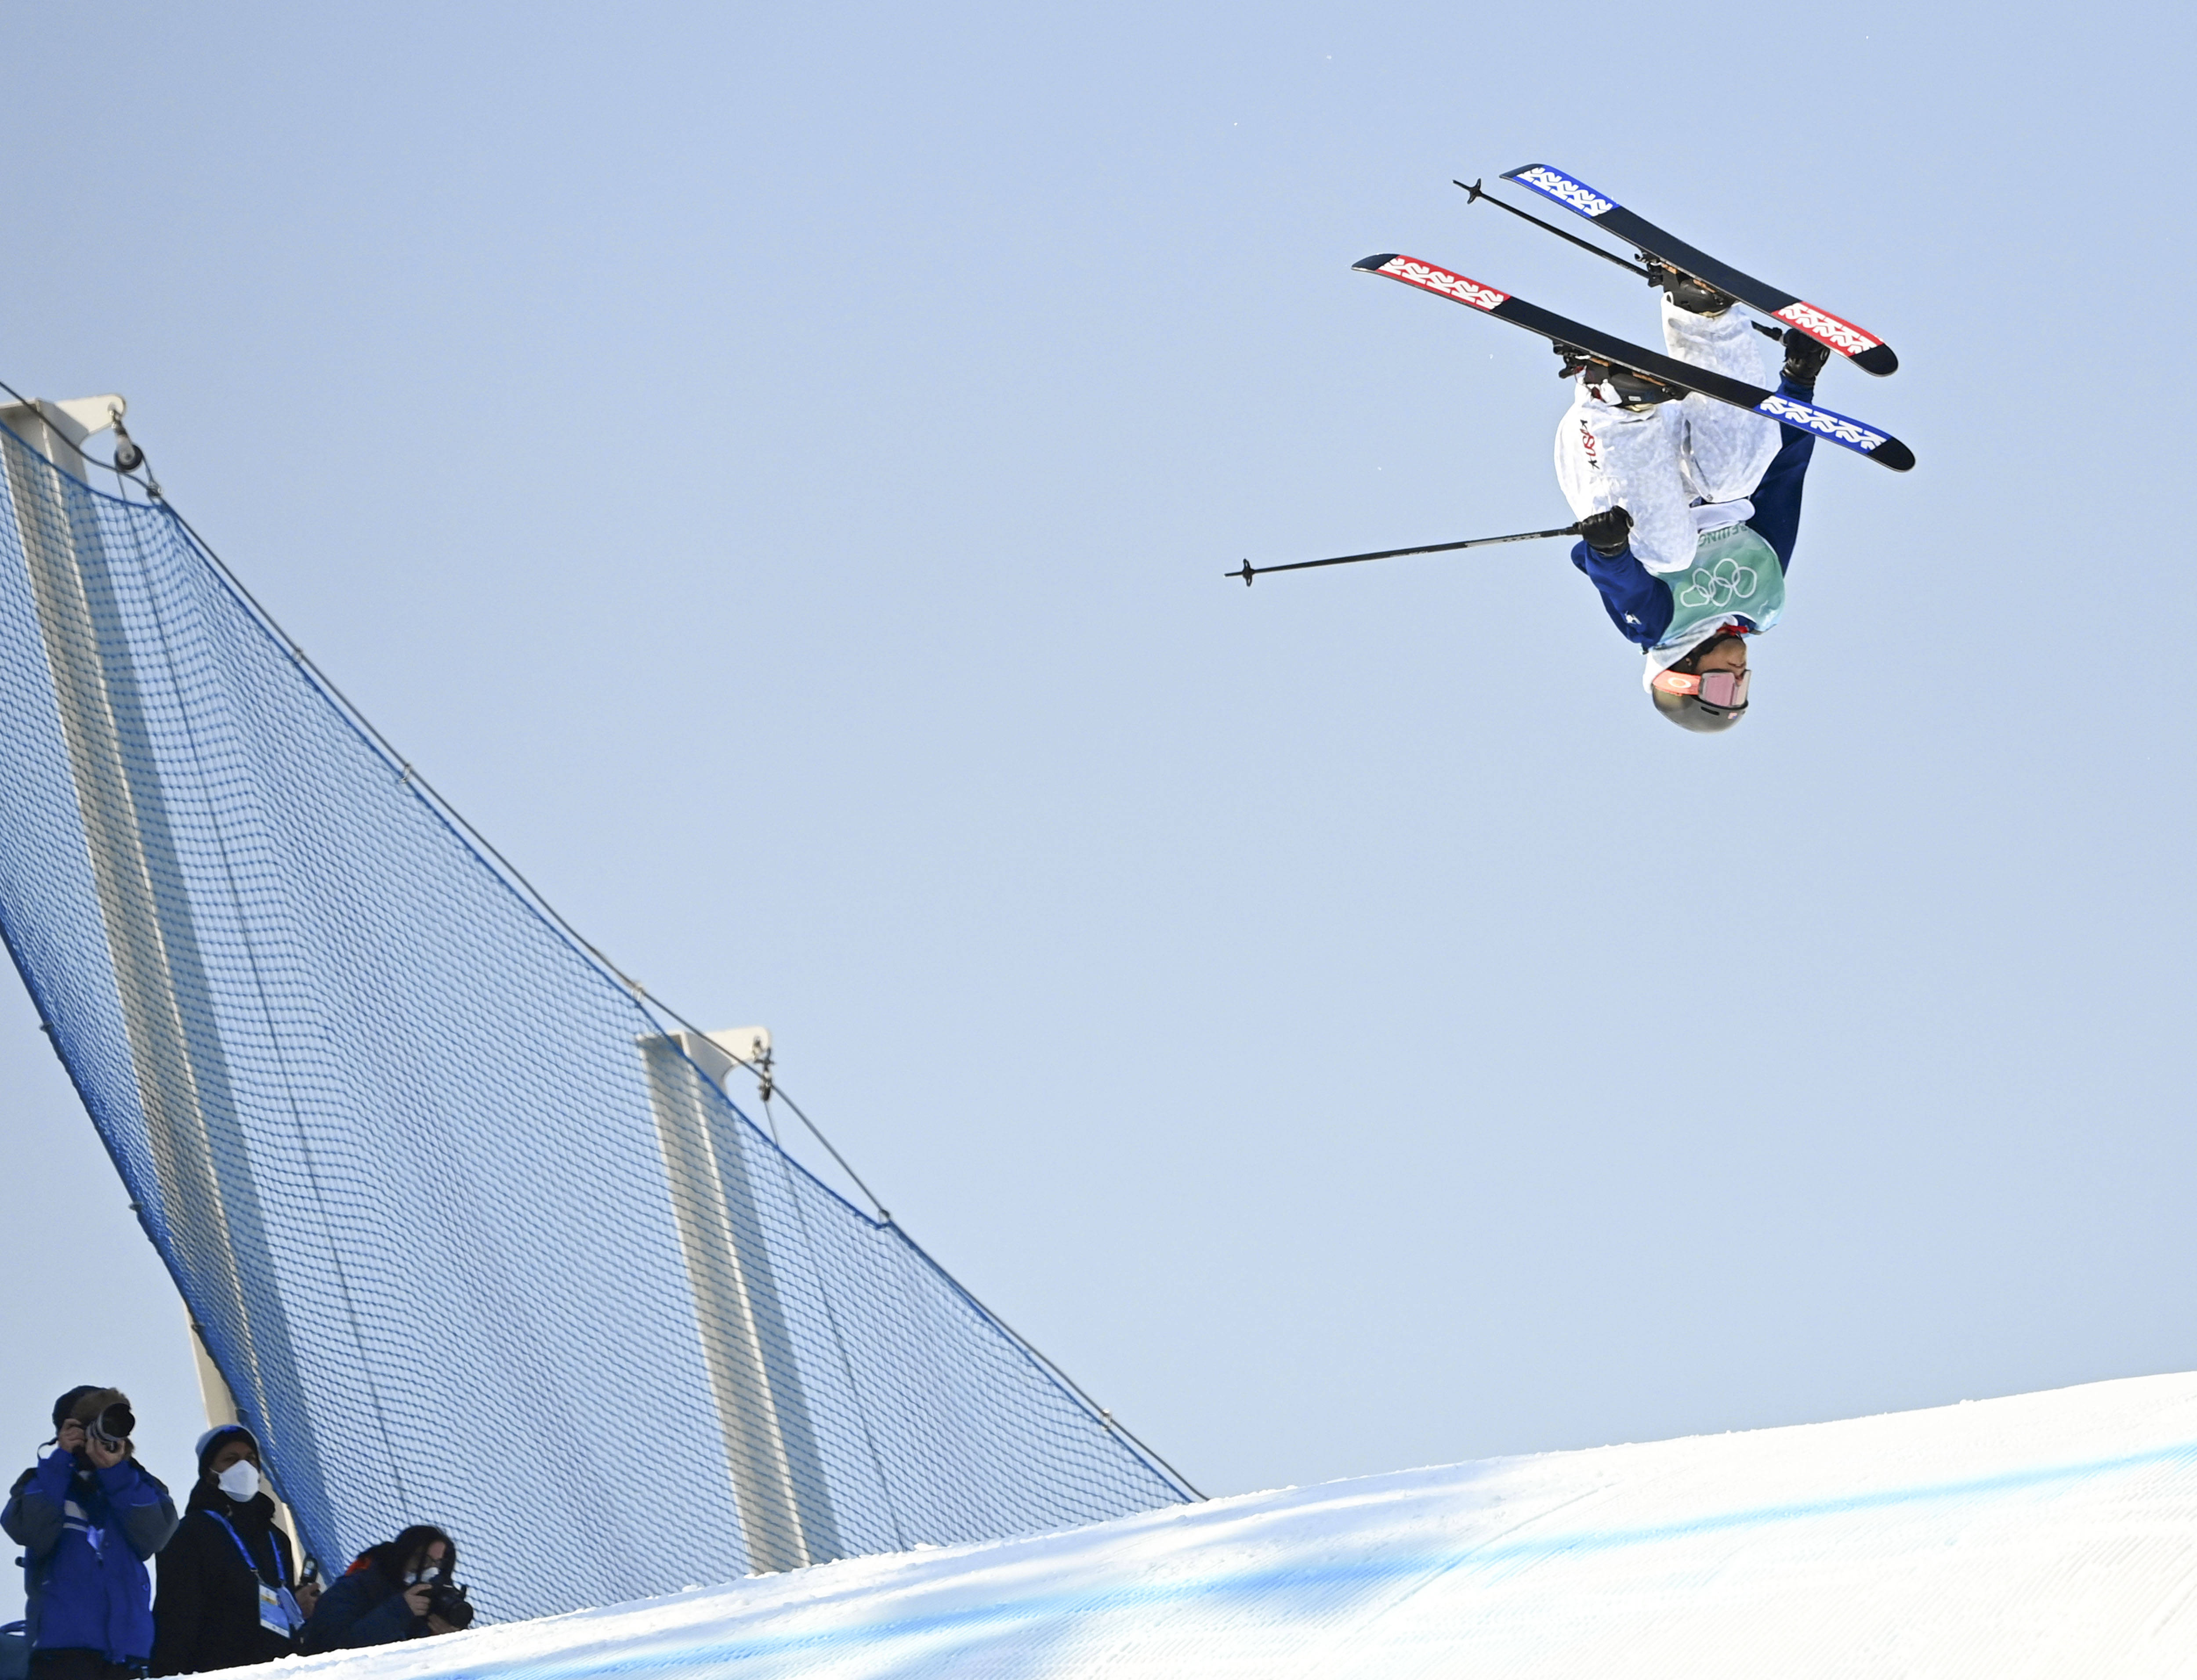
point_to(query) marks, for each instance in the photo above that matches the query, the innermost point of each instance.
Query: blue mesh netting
(457, 1221)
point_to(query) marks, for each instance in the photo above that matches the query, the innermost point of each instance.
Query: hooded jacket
(86, 1534)
(207, 1616)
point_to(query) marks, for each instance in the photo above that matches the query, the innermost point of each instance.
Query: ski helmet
(1704, 702)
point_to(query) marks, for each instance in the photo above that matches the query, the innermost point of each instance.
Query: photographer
(87, 1516)
(399, 1590)
(227, 1594)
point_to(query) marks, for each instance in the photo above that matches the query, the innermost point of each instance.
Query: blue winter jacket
(362, 1607)
(86, 1534)
(1638, 602)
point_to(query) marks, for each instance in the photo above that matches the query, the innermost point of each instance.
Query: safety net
(473, 1234)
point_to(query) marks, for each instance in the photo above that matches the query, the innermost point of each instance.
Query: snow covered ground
(2047, 1534)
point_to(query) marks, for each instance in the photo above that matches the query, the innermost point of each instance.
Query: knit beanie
(64, 1407)
(91, 1402)
(211, 1442)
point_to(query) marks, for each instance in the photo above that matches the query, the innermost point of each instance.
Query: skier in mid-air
(1683, 472)
(1688, 508)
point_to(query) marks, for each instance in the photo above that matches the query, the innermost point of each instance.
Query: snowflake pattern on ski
(1574, 195)
(1728, 582)
(1842, 336)
(1413, 272)
(1820, 420)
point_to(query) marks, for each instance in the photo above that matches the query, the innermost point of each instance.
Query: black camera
(450, 1604)
(113, 1427)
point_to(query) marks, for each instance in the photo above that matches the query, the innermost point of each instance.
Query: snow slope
(2046, 1534)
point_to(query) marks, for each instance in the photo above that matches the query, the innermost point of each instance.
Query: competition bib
(1735, 574)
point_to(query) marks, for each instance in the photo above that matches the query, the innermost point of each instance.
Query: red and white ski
(1598, 347)
(1865, 350)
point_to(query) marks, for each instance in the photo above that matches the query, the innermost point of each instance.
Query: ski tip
(1864, 440)
(1375, 265)
(1877, 359)
(1567, 190)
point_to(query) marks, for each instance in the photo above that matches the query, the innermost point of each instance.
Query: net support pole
(762, 1414)
(221, 1408)
(209, 1203)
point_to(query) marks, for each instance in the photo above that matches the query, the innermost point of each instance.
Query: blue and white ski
(1865, 350)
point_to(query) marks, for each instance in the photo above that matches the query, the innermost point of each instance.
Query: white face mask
(241, 1480)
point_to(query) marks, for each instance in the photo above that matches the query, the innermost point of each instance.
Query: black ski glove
(1804, 356)
(1608, 532)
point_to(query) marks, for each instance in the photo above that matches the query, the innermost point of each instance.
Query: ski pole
(1476, 193)
(1250, 571)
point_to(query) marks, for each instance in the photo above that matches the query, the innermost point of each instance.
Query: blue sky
(774, 470)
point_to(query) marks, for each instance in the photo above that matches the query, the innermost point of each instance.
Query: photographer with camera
(88, 1516)
(228, 1592)
(399, 1590)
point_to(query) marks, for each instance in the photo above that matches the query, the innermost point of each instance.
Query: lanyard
(274, 1550)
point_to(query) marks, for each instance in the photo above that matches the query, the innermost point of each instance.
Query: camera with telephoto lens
(451, 1605)
(113, 1426)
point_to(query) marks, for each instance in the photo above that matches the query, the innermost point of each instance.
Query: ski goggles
(1720, 691)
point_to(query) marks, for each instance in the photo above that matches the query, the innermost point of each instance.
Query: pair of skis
(1870, 353)
(1658, 249)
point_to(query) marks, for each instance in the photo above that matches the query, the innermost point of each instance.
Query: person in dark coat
(88, 1516)
(228, 1596)
(384, 1596)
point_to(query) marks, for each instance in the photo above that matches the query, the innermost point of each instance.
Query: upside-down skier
(1683, 472)
(1688, 508)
